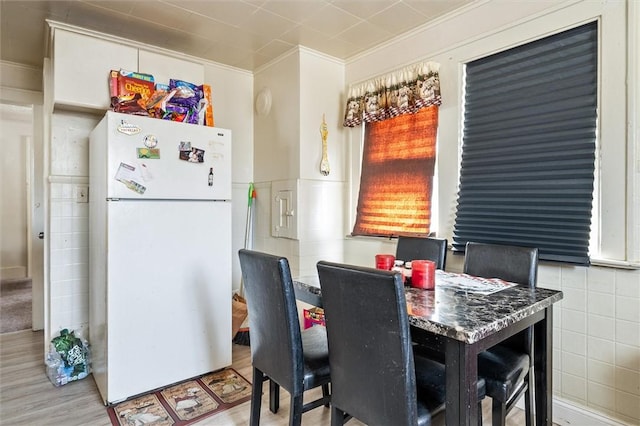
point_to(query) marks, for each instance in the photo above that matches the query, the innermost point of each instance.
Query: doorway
(22, 220)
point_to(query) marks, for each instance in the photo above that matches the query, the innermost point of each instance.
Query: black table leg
(543, 367)
(462, 376)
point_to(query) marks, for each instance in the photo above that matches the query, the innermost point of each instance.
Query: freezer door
(169, 293)
(150, 158)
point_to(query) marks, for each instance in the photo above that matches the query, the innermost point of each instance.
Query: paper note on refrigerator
(128, 175)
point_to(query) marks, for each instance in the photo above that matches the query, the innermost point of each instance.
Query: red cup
(385, 261)
(423, 274)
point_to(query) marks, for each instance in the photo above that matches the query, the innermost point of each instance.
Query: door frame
(34, 98)
(35, 226)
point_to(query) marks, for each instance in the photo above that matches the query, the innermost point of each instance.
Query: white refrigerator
(159, 253)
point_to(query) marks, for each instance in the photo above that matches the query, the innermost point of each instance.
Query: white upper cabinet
(81, 66)
(164, 68)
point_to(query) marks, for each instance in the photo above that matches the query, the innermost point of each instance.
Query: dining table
(461, 317)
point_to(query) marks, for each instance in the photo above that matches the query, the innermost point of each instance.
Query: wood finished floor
(27, 397)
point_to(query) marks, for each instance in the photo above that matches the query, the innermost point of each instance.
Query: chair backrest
(410, 248)
(276, 342)
(509, 263)
(372, 366)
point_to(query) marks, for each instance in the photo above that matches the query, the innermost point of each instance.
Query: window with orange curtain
(396, 182)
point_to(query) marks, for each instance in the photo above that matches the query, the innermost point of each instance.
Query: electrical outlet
(82, 194)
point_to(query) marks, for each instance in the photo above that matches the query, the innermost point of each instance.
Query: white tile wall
(628, 332)
(575, 343)
(573, 320)
(601, 396)
(601, 326)
(601, 350)
(574, 364)
(69, 266)
(573, 388)
(69, 222)
(597, 338)
(628, 407)
(626, 356)
(601, 372)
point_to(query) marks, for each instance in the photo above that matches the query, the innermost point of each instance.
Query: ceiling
(240, 33)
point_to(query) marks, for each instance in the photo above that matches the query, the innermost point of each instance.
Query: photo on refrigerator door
(194, 155)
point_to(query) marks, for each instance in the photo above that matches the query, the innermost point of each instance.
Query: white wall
(276, 147)
(277, 134)
(232, 96)
(288, 147)
(321, 87)
(320, 198)
(16, 125)
(597, 325)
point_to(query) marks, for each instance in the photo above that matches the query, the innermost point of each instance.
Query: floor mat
(184, 403)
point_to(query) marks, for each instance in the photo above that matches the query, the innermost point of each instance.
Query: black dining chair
(375, 376)
(411, 248)
(280, 352)
(508, 366)
(429, 248)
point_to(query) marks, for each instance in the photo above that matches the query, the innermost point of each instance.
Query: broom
(242, 336)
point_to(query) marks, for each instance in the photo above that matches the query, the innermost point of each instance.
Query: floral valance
(404, 91)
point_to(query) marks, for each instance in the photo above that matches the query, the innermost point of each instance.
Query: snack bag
(157, 104)
(129, 91)
(131, 104)
(206, 107)
(187, 94)
(177, 102)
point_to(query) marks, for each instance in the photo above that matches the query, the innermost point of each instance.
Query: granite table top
(461, 313)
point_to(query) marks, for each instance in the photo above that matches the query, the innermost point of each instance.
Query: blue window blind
(527, 171)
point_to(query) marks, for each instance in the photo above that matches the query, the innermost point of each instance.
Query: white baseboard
(566, 413)
(12, 272)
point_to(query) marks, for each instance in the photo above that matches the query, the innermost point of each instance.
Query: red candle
(424, 274)
(385, 261)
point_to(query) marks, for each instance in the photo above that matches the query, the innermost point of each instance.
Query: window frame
(613, 238)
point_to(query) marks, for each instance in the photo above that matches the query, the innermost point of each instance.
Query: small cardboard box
(313, 316)
(238, 313)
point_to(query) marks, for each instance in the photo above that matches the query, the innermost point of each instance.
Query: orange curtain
(397, 175)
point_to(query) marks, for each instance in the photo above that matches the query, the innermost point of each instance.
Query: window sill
(619, 264)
